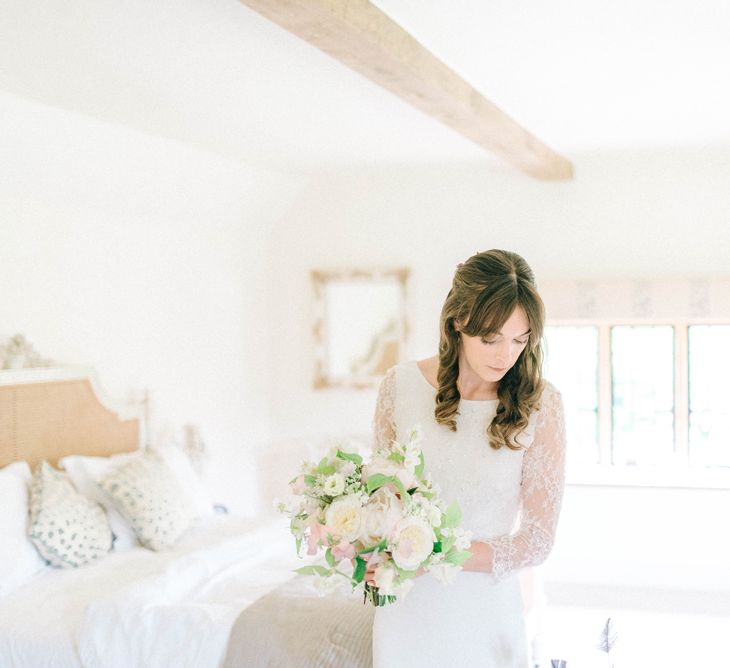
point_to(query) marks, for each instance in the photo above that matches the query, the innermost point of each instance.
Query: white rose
(381, 513)
(343, 517)
(413, 542)
(334, 484)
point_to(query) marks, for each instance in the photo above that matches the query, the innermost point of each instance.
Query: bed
(224, 594)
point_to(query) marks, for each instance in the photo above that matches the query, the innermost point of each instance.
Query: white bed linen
(144, 608)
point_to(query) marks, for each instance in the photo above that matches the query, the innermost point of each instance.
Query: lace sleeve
(383, 422)
(543, 482)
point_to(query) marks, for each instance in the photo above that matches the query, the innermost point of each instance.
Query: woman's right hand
(369, 573)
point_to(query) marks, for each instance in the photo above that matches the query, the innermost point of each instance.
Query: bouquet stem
(371, 594)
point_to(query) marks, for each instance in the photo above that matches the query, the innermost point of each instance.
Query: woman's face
(491, 357)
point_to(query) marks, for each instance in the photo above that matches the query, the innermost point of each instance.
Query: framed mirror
(360, 326)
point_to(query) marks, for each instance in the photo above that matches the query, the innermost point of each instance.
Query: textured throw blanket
(292, 627)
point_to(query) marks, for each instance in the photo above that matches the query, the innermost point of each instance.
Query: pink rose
(343, 550)
(317, 532)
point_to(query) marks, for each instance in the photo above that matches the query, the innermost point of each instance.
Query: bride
(493, 440)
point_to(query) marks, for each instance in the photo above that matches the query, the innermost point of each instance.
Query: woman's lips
(495, 369)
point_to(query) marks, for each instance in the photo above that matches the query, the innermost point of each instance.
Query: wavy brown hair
(485, 291)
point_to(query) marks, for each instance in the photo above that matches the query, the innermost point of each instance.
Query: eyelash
(489, 343)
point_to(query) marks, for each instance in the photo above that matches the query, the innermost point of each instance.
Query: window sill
(616, 476)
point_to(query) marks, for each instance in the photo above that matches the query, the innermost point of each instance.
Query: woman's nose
(504, 354)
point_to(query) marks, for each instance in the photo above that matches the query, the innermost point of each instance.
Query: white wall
(629, 215)
(144, 258)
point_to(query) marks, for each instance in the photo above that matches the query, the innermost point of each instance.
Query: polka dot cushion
(67, 529)
(148, 495)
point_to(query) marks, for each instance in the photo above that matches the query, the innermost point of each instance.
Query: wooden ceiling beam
(364, 38)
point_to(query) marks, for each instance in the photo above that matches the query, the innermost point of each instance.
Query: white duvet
(147, 609)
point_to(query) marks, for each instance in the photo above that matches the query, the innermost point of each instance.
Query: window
(644, 399)
(709, 398)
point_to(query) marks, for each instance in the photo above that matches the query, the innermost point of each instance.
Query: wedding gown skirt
(471, 622)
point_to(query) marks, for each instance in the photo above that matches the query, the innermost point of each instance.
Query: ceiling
(581, 75)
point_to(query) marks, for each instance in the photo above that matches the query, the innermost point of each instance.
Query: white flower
(413, 542)
(436, 558)
(344, 516)
(444, 572)
(381, 513)
(346, 467)
(463, 539)
(434, 516)
(412, 458)
(384, 577)
(415, 434)
(325, 585)
(334, 484)
(290, 505)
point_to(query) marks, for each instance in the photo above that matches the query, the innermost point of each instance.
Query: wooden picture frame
(360, 326)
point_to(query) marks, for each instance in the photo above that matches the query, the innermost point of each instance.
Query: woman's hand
(370, 572)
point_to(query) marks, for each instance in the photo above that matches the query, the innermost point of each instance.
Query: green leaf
(419, 468)
(375, 481)
(313, 570)
(360, 568)
(382, 545)
(310, 479)
(457, 557)
(299, 544)
(437, 546)
(324, 467)
(350, 457)
(447, 543)
(404, 575)
(330, 557)
(401, 488)
(396, 457)
(452, 516)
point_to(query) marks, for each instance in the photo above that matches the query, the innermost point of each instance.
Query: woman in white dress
(493, 440)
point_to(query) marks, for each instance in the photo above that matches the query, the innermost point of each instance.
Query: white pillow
(86, 471)
(188, 479)
(147, 493)
(19, 558)
(68, 529)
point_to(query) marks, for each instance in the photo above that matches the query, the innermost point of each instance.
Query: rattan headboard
(49, 413)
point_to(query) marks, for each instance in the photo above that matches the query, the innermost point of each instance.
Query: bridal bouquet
(384, 513)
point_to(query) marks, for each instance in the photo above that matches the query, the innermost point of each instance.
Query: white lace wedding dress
(509, 499)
